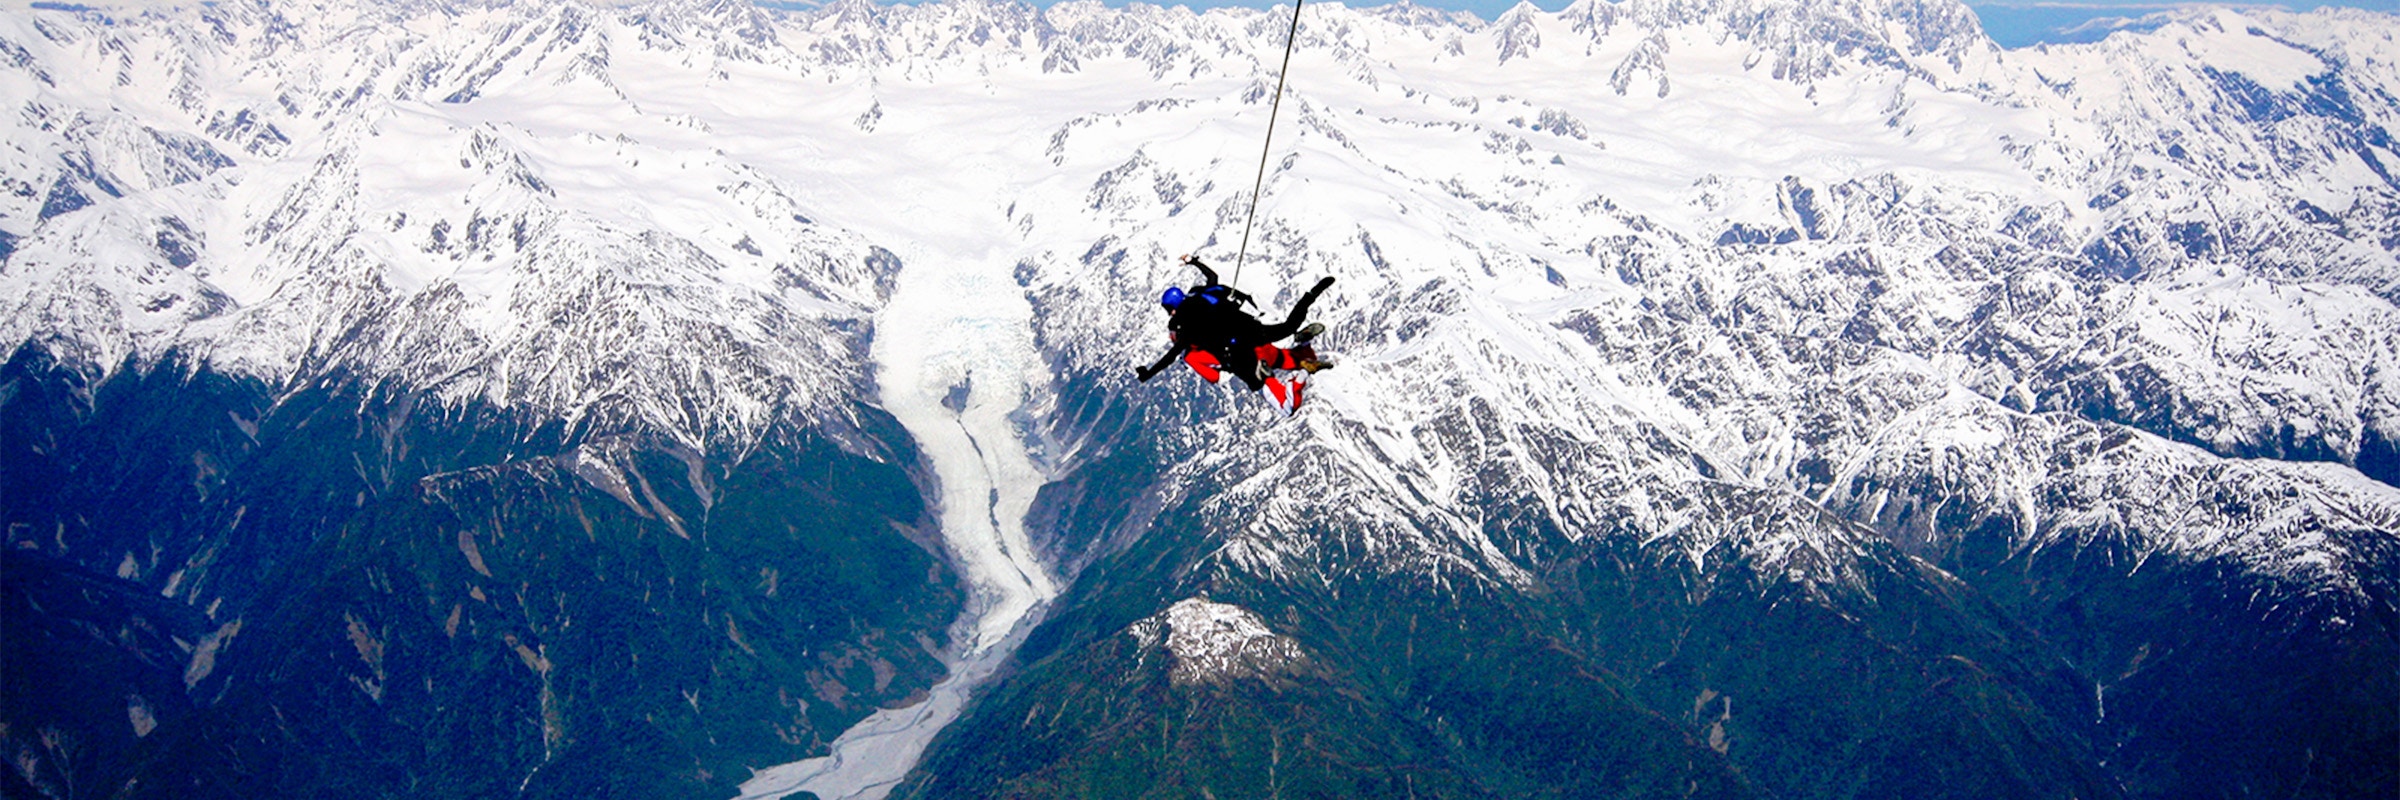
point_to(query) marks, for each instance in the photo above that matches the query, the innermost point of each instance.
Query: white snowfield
(1701, 273)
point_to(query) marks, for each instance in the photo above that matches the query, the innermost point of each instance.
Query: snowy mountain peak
(443, 199)
(1212, 642)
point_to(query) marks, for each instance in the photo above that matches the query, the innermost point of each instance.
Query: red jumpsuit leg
(1276, 357)
(1284, 394)
(1202, 362)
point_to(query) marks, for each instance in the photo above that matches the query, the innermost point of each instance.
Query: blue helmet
(1173, 297)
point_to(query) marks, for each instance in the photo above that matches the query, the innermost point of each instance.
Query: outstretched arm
(1146, 373)
(1210, 279)
(1205, 272)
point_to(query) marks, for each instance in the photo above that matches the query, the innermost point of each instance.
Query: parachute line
(1267, 146)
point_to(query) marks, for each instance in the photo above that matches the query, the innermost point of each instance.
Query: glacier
(956, 364)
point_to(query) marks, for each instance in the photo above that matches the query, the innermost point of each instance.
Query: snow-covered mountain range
(1830, 302)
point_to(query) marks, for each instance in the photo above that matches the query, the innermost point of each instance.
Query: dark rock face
(2201, 692)
(1622, 669)
(2205, 677)
(337, 589)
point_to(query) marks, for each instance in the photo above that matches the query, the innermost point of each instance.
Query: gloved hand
(1143, 374)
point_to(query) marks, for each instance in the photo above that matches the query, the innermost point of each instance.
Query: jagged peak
(1216, 643)
(1408, 14)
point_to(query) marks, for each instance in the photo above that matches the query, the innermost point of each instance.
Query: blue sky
(2013, 23)
(2016, 23)
(1491, 8)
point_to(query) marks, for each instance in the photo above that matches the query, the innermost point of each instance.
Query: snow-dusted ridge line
(181, 192)
(1751, 316)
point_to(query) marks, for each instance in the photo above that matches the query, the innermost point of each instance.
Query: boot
(1309, 332)
(1300, 309)
(1322, 285)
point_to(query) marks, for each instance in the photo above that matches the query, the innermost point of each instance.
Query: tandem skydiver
(1215, 337)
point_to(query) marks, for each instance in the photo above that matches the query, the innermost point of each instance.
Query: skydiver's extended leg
(1204, 364)
(1273, 357)
(1299, 356)
(1291, 323)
